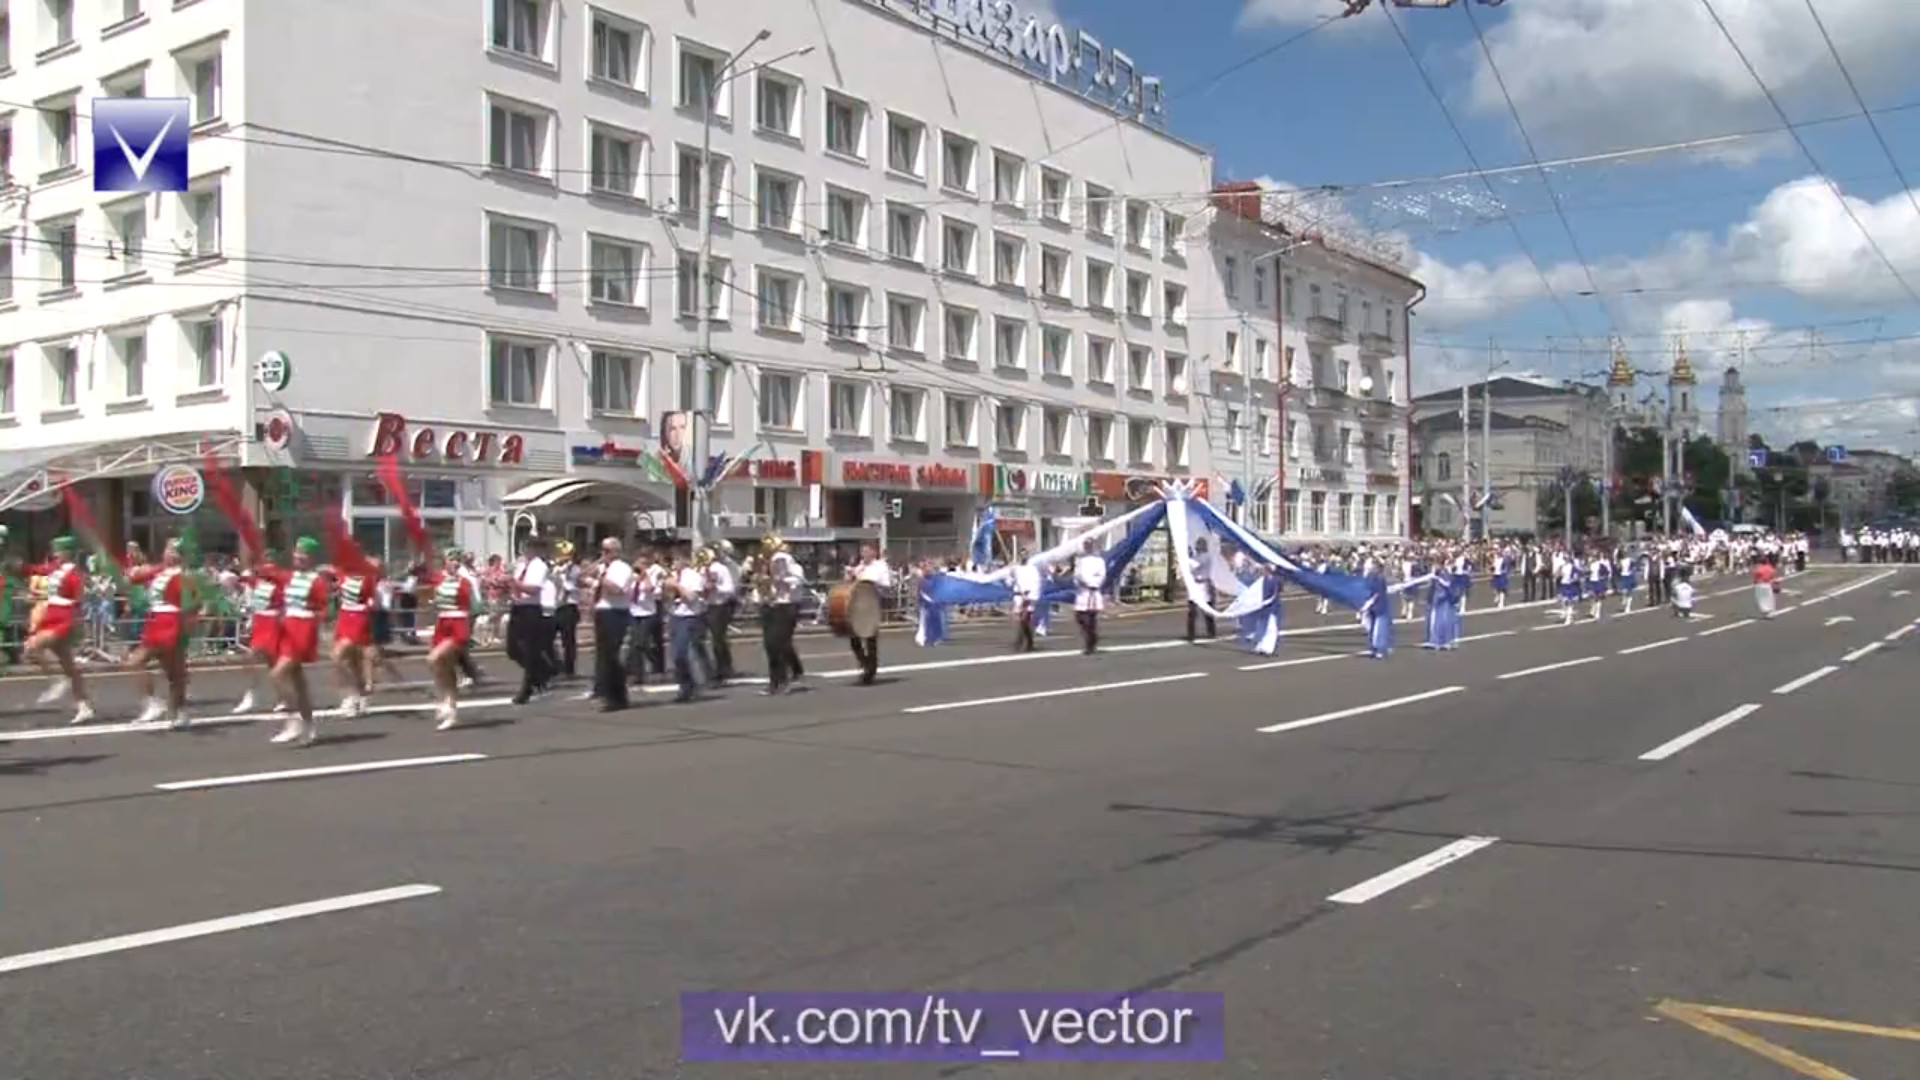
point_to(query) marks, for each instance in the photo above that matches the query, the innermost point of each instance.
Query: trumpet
(703, 558)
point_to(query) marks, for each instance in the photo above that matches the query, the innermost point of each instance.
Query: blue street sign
(1757, 459)
(1837, 454)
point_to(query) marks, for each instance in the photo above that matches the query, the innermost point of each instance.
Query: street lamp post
(698, 490)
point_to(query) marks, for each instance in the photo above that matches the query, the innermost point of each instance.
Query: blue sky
(1742, 235)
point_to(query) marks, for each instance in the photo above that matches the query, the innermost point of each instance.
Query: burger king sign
(179, 489)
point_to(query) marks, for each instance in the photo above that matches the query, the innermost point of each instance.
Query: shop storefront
(611, 488)
(458, 476)
(1029, 503)
(924, 509)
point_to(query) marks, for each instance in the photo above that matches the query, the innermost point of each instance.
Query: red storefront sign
(776, 471)
(876, 474)
(900, 476)
(392, 437)
(943, 477)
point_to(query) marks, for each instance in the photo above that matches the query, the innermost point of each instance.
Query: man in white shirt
(723, 602)
(1089, 596)
(612, 582)
(1201, 563)
(530, 624)
(646, 641)
(866, 651)
(566, 610)
(779, 614)
(687, 615)
(1029, 589)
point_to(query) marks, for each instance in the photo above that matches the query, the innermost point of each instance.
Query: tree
(1706, 472)
(1903, 490)
(1553, 505)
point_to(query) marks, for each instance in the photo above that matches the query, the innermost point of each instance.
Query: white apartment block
(939, 278)
(1305, 352)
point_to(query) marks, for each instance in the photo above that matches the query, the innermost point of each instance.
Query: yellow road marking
(1696, 1017)
(1726, 1012)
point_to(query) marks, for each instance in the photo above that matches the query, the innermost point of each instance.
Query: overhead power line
(1854, 89)
(1812, 159)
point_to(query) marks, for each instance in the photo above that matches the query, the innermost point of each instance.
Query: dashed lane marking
(230, 923)
(1375, 887)
(138, 728)
(1806, 680)
(1673, 746)
(318, 771)
(1359, 710)
(1038, 695)
(1544, 668)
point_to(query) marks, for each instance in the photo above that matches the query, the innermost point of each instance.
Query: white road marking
(1673, 746)
(321, 770)
(1784, 610)
(102, 947)
(1544, 668)
(1485, 637)
(1299, 660)
(1359, 710)
(1845, 589)
(137, 728)
(1652, 646)
(1816, 600)
(1375, 887)
(1727, 627)
(1838, 619)
(1872, 647)
(1038, 695)
(1900, 633)
(1805, 680)
(1898, 593)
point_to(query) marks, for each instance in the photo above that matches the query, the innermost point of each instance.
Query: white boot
(154, 711)
(56, 691)
(298, 729)
(1499, 602)
(246, 704)
(180, 721)
(449, 717)
(83, 714)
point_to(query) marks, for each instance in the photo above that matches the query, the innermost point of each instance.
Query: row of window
(1332, 514)
(1372, 320)
(196, 75)
(520, 374)
(46, 257)
(181, 357)
(524, 135)
(58, 24)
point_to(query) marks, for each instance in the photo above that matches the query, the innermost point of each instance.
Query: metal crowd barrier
(110, 631)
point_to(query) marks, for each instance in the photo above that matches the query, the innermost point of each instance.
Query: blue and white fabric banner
(1201, 520)
(981, 550)
(1693, 523)
(940, 591)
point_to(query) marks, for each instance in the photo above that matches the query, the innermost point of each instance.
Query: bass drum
(854, 609)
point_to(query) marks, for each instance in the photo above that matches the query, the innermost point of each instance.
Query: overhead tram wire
(1553, 194)
(1872, 124)
(1812, 159)
(1473, 159)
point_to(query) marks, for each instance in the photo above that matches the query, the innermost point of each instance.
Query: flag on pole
(983, 528)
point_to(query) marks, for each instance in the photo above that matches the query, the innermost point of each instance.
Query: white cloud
(1595, 75)
(1798, 239)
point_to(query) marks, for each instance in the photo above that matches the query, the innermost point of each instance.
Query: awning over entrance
(544, 494)
(28, 475)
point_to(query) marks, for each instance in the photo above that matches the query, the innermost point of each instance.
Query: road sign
(1837, 454)
(1757, 459)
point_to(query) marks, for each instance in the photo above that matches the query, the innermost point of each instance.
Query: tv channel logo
(140, 144)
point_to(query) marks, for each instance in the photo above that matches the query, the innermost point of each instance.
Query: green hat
(452, 553)
(64, 542)
(307, 545)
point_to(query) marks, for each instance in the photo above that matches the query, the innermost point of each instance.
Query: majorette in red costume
(163, 637)
(51, 643)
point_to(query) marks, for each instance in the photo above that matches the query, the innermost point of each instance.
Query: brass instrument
(563, 550)
(702, 558)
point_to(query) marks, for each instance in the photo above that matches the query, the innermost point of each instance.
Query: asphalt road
(1674, 850)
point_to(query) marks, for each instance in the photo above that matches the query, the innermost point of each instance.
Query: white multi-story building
(1306, 359)
(945, 269)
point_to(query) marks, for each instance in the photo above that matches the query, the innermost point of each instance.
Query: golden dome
(1682, 367)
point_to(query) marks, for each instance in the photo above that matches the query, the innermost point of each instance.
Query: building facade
(1307, 369)
(1539, 430)
(947, 270)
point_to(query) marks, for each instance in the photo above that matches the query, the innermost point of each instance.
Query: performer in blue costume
(1379, 612)
(1260, 630)
(1443, 619)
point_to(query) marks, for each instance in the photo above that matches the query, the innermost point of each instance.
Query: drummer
(872, 568)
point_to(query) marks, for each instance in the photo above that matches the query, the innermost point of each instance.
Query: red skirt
(354, 627)
(57, 620)
(454, 628)
(299, 641)
(161, 633)
(263, 635)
